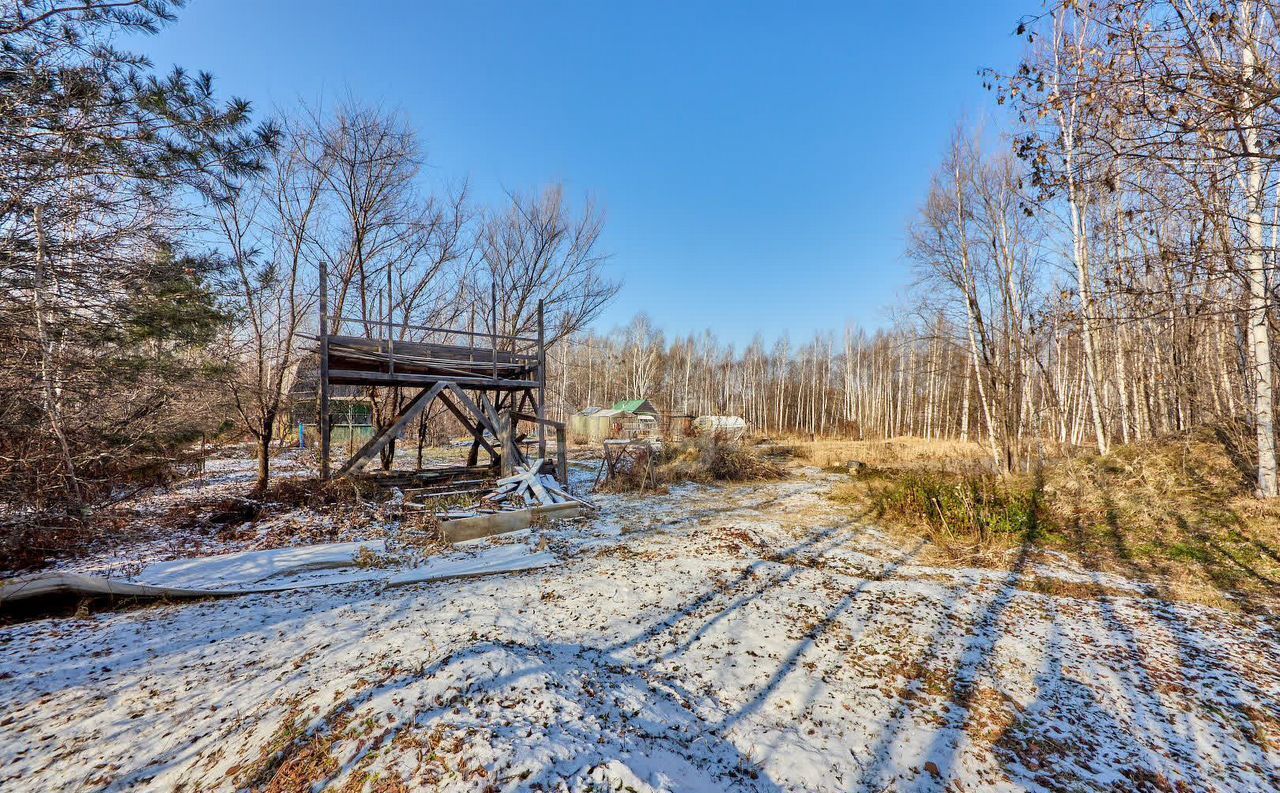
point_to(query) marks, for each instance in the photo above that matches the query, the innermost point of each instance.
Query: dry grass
(307, 491)
(892, 453)
(972, 518)
(707, 459)
(1176, 513)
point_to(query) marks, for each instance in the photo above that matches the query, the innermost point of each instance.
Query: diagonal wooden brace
(484, 421)
(377, 442)
(468, 423)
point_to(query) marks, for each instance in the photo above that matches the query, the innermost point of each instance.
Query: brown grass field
(1176, 513)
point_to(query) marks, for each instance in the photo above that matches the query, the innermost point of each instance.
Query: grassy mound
(971, 516)
(1178, 510)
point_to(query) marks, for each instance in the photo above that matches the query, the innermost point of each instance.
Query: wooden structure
(490, 382)
(628, 456)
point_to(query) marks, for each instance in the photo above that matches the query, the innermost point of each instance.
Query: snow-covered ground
(750, 638)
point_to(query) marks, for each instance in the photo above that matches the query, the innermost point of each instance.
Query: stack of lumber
(515, 503)
(536, 488)
(527, 489)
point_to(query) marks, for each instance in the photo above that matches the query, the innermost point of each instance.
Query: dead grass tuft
(892, 453)
(311, 492)
(973, 517)
(708, 459)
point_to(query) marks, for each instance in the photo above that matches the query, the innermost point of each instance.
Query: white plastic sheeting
(734, 426)
(274, 570)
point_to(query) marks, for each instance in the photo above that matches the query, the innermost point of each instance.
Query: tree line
(915, 379)
(1096, 268)
(1100, 270)
(1127, 229)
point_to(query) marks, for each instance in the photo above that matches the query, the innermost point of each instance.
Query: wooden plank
(323, 418)
(458, 331)
(470, 404)
(542, 384)
(379, 441)
(357, 377)
(323, 408)
(532, 418)
(562, 455)
(507, 459)
(408, 348)
(463, 529)
(432, 475)
(467, 491)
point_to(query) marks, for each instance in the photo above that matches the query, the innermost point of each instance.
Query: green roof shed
(636, 406)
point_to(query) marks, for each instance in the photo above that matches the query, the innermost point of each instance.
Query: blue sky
(758, 162)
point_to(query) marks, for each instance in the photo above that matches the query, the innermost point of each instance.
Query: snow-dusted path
(749, 639)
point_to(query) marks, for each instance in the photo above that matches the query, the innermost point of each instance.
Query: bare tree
(537, 250)
(270, 228)
(397, 258)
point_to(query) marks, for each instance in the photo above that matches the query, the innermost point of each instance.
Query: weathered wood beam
(562, 454)
(322, 420)
(542, 382)
(463, 529)
(483, 422)
(475, 428)
(548, 422)
(379, 441)
(502, 419)
(357, 377)
(470, 404)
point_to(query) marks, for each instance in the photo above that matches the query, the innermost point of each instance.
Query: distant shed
(591, 425)
(629, 418)
(637, 407)
(729, 426)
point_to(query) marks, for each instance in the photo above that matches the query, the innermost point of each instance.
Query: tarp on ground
(274, 570)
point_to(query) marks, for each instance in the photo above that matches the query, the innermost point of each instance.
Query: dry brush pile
(706, 460)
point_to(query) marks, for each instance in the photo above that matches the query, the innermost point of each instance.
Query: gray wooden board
(464, 529)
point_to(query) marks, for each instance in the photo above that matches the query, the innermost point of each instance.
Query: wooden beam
(463, 529)
(323, 419)
(376, 443)
(502, 418)
(542, 383)
(562, 455)
(357, 377)
(562, 447)
(549, 422)
(506, 462)
(475, 428)
(482, 422)
(471, 405)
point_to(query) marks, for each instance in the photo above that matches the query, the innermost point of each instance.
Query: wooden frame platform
(490, 382)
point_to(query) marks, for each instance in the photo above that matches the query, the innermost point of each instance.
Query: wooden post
(495, 427)
(323, 418)
(391, 341)
(506, 436)
(562, 456)
(542, 384)
(493, 327)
